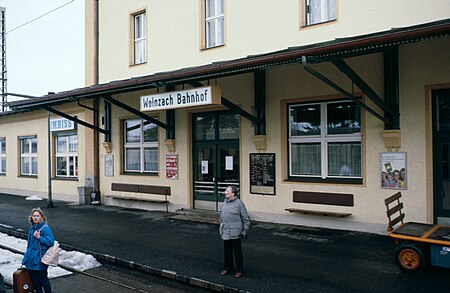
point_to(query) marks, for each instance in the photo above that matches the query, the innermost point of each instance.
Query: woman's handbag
(22, 281)
(51, 257)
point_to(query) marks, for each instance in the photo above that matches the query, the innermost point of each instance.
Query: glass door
(442, 178)
(215, 157)
(228, 169)
(205, 189)
(441, 155)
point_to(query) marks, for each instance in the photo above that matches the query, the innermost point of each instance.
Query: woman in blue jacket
(40, 239)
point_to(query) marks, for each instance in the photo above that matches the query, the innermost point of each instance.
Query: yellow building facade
(317, 112)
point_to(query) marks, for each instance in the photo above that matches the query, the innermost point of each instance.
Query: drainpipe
(96, 44)
(49, 164)
(96, 195)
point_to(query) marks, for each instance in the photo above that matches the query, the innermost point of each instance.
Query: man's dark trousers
(233, 247)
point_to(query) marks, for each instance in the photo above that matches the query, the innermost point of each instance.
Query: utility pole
(3, 56)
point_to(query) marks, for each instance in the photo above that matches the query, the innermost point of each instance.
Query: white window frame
(215, 21)
(2, 155)
(70, 154)
(319, 11)
(140, 38)
(141, 146)
(323, 138)
(28, 155)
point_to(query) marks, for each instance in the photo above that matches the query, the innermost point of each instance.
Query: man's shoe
(238, 275)
(223, 273)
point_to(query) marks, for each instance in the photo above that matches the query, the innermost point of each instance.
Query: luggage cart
(417, 244)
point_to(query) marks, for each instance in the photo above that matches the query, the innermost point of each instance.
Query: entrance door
(216, 157)
(441, 160)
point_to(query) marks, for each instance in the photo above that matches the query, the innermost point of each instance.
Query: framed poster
(393, 170)
(172, 166)
(109, 165)
(262, 173)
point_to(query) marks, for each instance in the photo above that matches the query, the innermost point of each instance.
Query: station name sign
(61, 124)
(182, 99)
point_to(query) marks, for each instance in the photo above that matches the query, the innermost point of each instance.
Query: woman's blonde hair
(30, 217)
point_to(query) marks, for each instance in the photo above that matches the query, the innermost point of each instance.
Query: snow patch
(10, 262)
(34, 197)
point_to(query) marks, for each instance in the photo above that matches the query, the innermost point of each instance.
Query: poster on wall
(204, 167)
(262, 173)
(228, 162)
(393, 170)
(172, 167)
(109, 165)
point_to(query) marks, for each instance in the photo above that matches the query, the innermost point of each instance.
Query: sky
(46, 54)
(9, 261)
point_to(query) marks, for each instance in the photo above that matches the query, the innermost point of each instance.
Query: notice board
(262, 173)
(109, 165)
(172, 166)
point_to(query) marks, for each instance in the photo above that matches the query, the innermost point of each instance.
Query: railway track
(112, 278)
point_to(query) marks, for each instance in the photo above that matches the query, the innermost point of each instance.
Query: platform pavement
(277, 258)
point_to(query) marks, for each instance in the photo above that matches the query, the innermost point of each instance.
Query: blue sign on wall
(61, 124)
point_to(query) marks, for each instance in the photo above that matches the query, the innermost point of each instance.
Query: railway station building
(316, 110)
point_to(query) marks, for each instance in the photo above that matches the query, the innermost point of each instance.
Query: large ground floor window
(325, 141)
(66, 154)
(2, 155)
(28, 156)
(140, 146)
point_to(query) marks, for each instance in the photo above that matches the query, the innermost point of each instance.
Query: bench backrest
(154, 189)
(394, 210)
(326, 198)
(141, 188)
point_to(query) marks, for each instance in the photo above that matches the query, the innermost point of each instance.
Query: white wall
(251, 27)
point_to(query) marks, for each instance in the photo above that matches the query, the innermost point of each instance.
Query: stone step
(197, 215)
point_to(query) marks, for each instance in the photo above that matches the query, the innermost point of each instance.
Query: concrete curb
(140, 267)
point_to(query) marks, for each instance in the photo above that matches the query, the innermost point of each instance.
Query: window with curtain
(66, 155)
(140, 38)
(2, 155)
(214, 23)
(325, 140)
(140, 146)
(28, 156)
(318, 11)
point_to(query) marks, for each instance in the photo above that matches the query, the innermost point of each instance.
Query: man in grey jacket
(234, 225)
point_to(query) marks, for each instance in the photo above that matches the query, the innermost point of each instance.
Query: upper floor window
(318, 11)
(28, 156)
(140, 146)
(66, 154)
(214, 23)
(2, 155)
(140, 38)
(325, 141)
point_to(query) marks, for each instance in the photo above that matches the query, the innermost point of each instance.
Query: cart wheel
(409, 257)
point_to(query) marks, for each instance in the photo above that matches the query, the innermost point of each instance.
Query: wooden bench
(323, 198)
(139, 190)
(394, 209)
